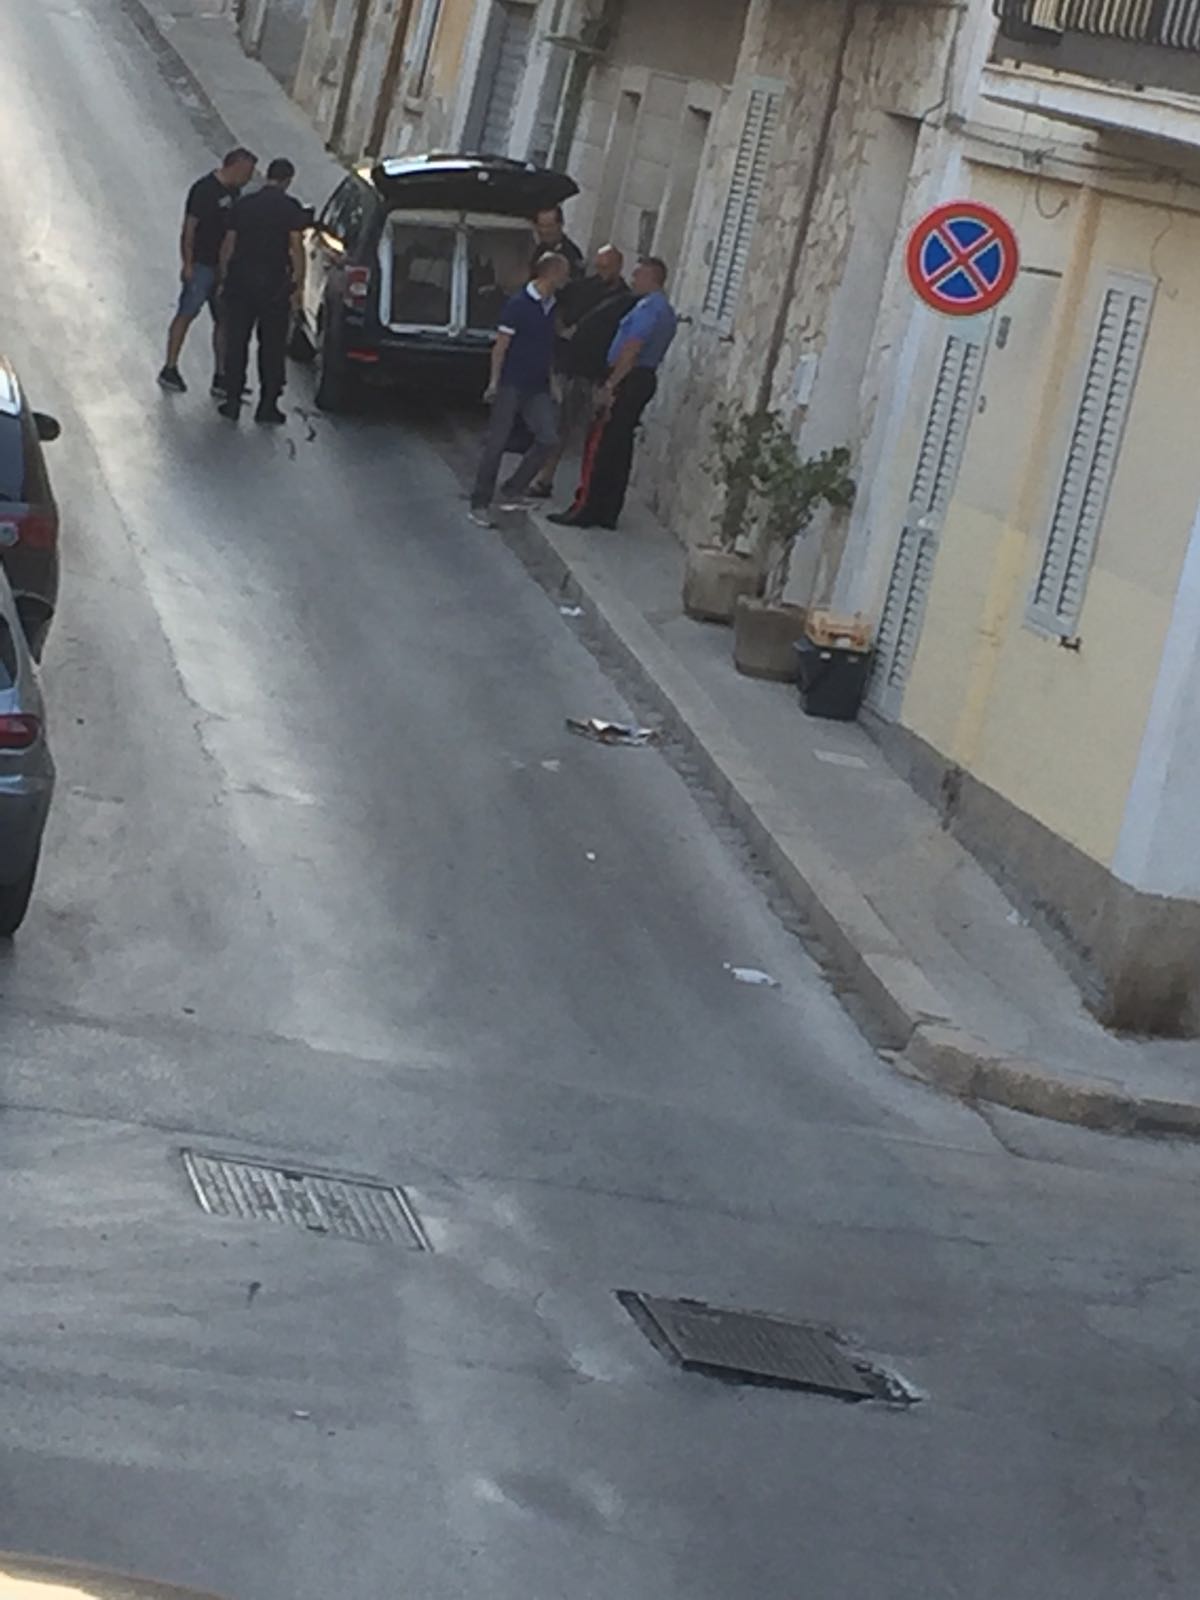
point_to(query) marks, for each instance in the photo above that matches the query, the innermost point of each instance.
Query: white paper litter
(752, 975)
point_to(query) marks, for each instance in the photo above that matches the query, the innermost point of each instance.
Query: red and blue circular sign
(963, 258)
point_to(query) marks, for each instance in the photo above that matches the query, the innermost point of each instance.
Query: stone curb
(915, 1021)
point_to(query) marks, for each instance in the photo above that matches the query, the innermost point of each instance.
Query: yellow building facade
(1046, 483)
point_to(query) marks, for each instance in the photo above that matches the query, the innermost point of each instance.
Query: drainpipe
(804, 227)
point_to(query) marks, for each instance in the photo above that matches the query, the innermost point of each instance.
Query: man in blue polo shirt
(519, 391)
(634, 357)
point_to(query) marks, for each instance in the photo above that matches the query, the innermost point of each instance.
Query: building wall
(897, 67)
(1057, 731)
(412, 122)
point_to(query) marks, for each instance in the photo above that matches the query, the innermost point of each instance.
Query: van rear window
(422, 274)
(498, 266)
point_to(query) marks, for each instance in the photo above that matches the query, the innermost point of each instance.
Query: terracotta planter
(714, 581)
(765, 635)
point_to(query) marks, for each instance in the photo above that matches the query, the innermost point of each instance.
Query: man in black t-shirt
(590, 311)
(206, 214)
(262, 270)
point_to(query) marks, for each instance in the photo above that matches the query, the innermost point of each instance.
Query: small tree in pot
(789, 492)
(729, 565)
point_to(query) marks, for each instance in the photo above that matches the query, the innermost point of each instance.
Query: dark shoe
(231, 410)
(171, 378)
(569, 519)
(540, 491)
(268, 411)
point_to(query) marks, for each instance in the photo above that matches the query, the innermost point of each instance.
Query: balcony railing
(1168, 24)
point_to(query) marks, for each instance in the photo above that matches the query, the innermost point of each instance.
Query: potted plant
(787, 494)
(729, 565)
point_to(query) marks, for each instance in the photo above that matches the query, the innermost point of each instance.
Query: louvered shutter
(512, 53)
(939, 458)
(1092, 451)
(736, 237)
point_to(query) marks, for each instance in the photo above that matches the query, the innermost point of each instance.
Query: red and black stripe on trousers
(608, 454)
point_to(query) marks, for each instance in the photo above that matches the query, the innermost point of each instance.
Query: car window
(497, 266)
(354, 211)
(22, 466)
(422, 273)
(8, 656)
(345, 211)
(330, 220)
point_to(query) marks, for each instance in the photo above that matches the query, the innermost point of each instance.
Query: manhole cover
(351, 1208)
(748, 1347)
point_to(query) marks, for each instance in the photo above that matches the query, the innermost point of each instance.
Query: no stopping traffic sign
(962, 258)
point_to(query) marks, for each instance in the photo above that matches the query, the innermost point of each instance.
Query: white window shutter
(946, 428)
(943, 442)
(1092, 451)
(731, 256)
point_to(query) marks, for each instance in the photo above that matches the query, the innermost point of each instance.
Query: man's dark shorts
(199, 291)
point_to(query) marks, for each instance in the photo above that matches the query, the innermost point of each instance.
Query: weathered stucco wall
(896, 63)
(705, 47)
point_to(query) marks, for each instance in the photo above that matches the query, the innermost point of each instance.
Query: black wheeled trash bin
(832, 679)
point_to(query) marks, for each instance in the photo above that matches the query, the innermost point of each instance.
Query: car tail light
(19, 731)
(36, 530)
(358, 285)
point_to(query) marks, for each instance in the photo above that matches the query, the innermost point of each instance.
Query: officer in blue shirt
(519, 389)
(634, 357)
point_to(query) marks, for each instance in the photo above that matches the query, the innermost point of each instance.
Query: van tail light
(18, 732)
(358, 286)
(36, 530)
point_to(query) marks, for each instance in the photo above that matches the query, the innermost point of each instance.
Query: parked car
(409, 264)
(26, 769)
(28, 514)
(22, 1578)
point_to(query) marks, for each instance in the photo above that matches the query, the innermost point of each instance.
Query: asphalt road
(327, 880)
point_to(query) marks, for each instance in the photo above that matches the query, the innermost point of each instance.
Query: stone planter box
(715, 579)
(765, 635)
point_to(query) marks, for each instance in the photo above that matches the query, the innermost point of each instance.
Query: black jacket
(594, 310)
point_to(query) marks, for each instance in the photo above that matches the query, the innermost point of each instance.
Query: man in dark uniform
(550, 238)
(590, 311)
(262, 262)
(638, 349)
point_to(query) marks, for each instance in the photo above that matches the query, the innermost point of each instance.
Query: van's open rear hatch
(470, 183)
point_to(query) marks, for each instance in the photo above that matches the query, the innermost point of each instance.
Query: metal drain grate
(748, 1347)
(351, 1208)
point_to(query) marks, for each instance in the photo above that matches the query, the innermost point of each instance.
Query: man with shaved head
(590, 312)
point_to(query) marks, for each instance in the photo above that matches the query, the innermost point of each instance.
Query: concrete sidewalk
(960, 992)
(967, 995)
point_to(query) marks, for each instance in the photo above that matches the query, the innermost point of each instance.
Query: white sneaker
(481, 517)
(516, 504)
